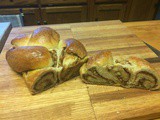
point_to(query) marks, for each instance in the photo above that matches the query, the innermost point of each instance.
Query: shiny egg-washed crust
(26, 58)
(43, 36)
(73, 46)
(101, 58)
(35, 55)
(21, 40)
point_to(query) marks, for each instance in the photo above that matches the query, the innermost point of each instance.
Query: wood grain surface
(74, 99)
(148, 31)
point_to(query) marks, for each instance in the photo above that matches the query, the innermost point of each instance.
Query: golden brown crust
(100, 58)
(139, 62)
(73, 57)
(34, 54)
(27, 58)
(74, 47)
(21, 40)
(44, 36)
(32, 78)
(130, 72)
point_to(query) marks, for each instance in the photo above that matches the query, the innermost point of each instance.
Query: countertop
(148, 31)
(5, 28)
(74, 99)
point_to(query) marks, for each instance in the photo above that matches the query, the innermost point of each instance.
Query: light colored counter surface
(5, 29)
(148, 31)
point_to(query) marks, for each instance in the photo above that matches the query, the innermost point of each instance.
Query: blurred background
(39, 12)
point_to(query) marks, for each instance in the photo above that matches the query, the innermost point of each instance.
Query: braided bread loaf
(44, 60)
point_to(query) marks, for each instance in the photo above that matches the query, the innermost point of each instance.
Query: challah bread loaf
(131, 72)
(27, 58)
(43, 36)
(45, 61)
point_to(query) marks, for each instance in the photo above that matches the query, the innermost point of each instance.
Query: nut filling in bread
(131, 72)
(121, 78)
(71, 55)
(45, 82)
(145, 80)
(121, 74)
(40, 79)
(70, 72)
(44, 59)
(94, 73)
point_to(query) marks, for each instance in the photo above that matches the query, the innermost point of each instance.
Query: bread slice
(131, 72)
(40, 79)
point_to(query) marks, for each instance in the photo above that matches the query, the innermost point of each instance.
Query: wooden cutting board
(74, 99)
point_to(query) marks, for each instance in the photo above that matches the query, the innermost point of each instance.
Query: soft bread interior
(69, 60)
(90, 76)
(129, 72)
(145, 80)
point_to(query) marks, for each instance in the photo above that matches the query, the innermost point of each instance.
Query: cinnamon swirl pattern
(44, 60)
(40, 79)
(131, 72)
